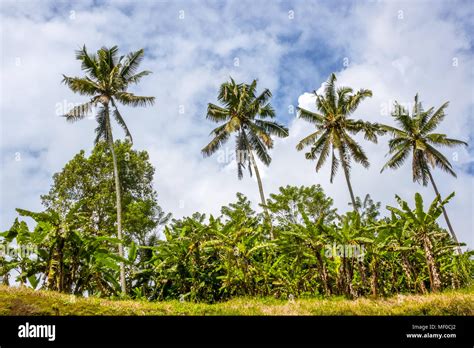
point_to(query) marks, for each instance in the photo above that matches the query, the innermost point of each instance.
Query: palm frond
(216, 113)
(316, 148)
(102, 124)
(83, 86)
(242, 150)
(397, 160)
(266, 111)
(79, 112)
(219, 139)
(259, 147)
(355, 100)
(402, 117)
(330, 91)
(370, 130)
(434, 121)
(272, 128)
(424, 116)
(134, 79)
(356, 150)
(111, 56)
(439, 160)
(309, 140)
(395, 143)
(131, 99)
(310, 116)
(440, 139)
(88, 62)
(394, 131)
(131, 63)
(420, 168)
(323, 105)
(262, 99)
(324, 153)
(118, 117)
(334, 166)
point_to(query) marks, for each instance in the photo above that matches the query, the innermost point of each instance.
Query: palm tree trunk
(260, 189)
(118, 197)
(259, 180)
(451, 230)
(346, 174)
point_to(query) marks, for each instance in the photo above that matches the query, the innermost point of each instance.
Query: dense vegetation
(309, 248)
(100, 233)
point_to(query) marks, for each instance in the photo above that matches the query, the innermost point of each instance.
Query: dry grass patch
(25, 301)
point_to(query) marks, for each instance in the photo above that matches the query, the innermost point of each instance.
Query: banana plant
(424, 226)
(61, 259)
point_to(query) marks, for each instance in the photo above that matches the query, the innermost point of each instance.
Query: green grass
(25, 301)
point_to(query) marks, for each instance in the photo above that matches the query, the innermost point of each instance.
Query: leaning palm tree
(106, 82)
(416, 136)
(334, 128)
(244, 113)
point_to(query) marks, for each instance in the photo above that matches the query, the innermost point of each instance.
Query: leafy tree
(84, 187)
(292, 203)
(83, 195)
(368, 209)
(106, 82)
(334, 128)
(416, 136)
(244, 113)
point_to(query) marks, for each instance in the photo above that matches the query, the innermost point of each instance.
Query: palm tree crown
(334, 128)
(107, 79)
(416, 136)
(244, 113)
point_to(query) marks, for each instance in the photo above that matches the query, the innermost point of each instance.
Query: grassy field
(25, 301)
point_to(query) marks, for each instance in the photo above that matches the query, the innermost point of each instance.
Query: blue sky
(395, 48)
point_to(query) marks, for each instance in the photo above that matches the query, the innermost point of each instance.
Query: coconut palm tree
(334, 128)
(244, 113)
(106, 80)
(416, 136)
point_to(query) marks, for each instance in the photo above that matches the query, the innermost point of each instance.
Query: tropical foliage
(315, 251)
(102, 232)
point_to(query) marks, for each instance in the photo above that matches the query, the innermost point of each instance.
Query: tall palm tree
(416, 136)
(106, 80)
(244, 113)
(334, 128)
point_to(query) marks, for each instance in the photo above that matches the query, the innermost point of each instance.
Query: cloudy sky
(396, 49)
